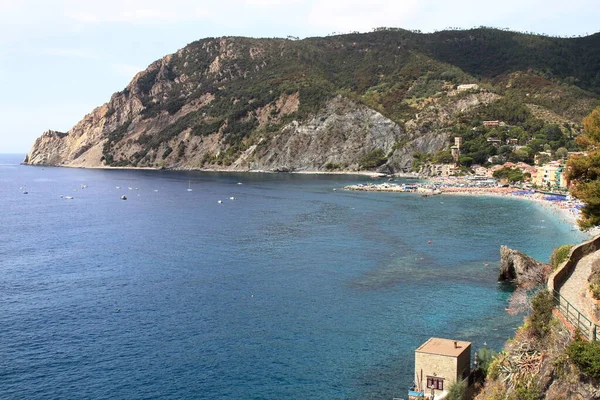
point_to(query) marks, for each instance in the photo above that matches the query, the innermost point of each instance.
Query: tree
(584, 172)
(561, 153)
(457, 390)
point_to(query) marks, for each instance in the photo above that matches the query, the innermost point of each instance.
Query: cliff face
(523, 270)
(274, 104)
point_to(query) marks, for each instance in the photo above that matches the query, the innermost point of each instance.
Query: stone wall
(563, 272)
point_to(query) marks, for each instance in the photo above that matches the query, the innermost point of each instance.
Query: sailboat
(189, 189)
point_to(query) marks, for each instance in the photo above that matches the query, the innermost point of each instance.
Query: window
(435, 383)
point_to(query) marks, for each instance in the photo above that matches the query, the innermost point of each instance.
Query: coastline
(370, 174)
(566, 211)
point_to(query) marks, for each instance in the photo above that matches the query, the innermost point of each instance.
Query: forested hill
(354, 101)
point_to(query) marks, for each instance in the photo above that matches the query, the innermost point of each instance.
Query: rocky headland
(356, 102)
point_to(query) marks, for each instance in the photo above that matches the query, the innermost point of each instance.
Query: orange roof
(444, 347)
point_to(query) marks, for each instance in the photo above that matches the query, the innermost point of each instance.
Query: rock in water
(523, 270)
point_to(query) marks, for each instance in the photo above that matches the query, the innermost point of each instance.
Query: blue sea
(289, 291)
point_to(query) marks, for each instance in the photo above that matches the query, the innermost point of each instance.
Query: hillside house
(490, 124)
(438, 364)
(469, 86)
(494, 141)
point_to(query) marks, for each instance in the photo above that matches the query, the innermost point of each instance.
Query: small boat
(239, 183)
(117, 187)
(123, 197)
(83, 186)
(25, 192)
(232, 198)
(189, 189)
(220, 201)
(69, 197)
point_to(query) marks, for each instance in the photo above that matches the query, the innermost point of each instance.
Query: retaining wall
(563, 272)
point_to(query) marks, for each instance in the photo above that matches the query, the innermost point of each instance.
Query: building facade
(438, 364)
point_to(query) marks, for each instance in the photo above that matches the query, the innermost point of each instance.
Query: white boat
(232, 198)
(220, 201)
(69, 197)
(189, 189)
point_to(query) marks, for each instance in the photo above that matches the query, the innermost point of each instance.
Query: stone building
(438, 364)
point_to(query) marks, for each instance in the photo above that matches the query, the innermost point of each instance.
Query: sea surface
(292, 290)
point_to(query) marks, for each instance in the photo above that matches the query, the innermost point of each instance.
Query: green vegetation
(493, 370)
(372, 159)
(584, 171)
(560, 255)
(485, 357)
(595, 287)
(393, 71)
(112, 138)
(509, 174)
(457, 390)
(586, 355)
(541, 314)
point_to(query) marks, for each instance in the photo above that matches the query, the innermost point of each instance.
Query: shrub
(457, 390)
(372, 159)
(541, 314)
(485, 357)
(526, 391)
(493, 370)
(560, 255)
(586, 355)
(595, 288)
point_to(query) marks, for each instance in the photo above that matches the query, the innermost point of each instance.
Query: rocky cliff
(273, 104)
(521, 269)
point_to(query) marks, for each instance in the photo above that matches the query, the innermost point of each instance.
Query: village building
(551, 176)
(489, 124)
(482, 171)
(443, 170)
(438, 364)
(468, 86)
(494, 141)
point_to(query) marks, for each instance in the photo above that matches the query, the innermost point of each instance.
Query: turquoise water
(292, 290)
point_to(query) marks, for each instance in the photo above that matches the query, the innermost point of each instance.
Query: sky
(59, 59)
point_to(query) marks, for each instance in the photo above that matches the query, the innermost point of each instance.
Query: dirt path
(575, 288)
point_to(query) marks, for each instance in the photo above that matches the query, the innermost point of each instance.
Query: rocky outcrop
(521, 269)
